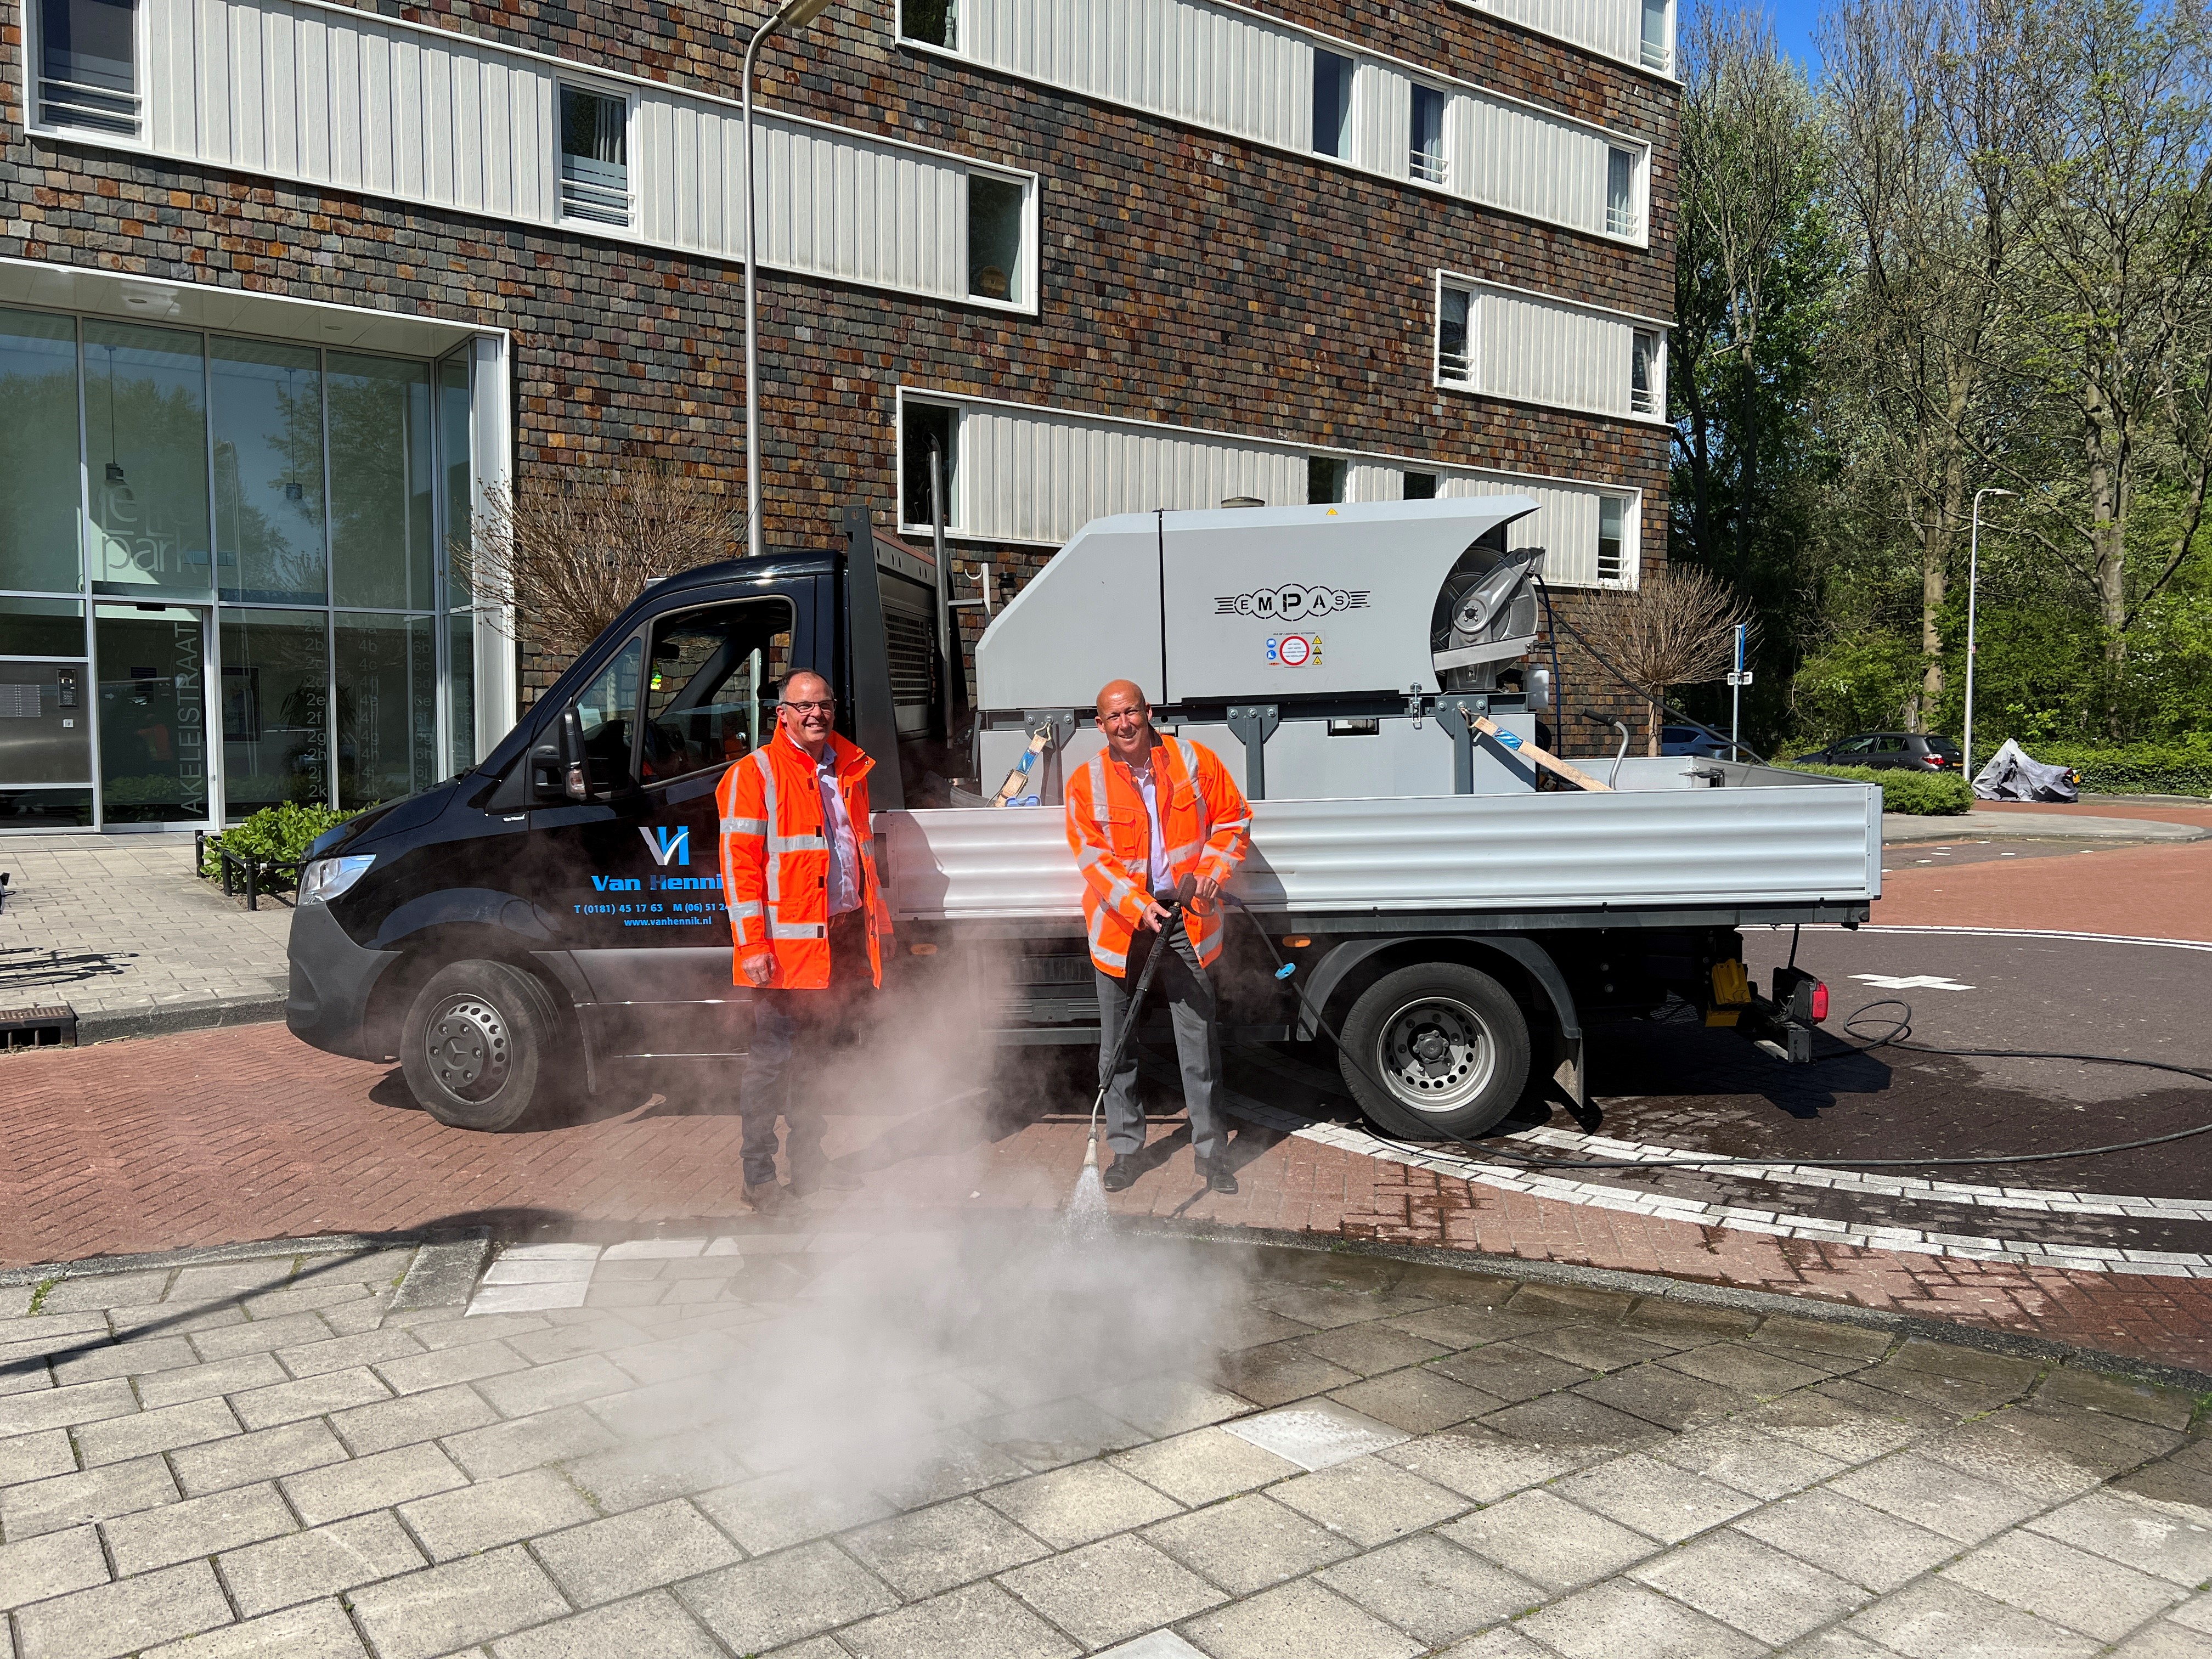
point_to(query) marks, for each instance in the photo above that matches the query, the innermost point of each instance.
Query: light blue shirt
(837, 826)
(1157, 877)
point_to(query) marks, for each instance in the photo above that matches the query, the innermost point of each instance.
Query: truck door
(687, 695)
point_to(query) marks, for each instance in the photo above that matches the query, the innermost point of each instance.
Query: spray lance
(1185, 890)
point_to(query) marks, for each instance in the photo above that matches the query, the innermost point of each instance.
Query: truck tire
(1436, 1050)
(479, 1045)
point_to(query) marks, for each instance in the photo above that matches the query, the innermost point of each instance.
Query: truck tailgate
(1778, 843)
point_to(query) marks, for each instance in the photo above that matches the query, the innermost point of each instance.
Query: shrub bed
(1921, 794)
(277, 835)
(2181, 767)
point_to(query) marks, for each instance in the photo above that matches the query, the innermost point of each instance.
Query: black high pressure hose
(1894, 1038)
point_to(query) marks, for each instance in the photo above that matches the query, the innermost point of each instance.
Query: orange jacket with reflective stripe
(775, 860)
(1203, 820)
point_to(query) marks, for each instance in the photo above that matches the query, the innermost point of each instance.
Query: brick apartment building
(285, 285)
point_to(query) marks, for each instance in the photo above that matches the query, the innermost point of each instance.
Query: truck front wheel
(477, 1046)
(1437, 1050)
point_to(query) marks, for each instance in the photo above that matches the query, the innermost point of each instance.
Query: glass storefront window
(45, 808)
(276, 709)
(386, 708)
(38, 453)
(145, 412)
(267, 408)
(382, 548)
(41, 628)
(461, 690)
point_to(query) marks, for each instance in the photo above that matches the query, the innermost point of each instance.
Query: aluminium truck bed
(1766, 845)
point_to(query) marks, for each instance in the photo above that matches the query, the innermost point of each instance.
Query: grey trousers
(1187, 989)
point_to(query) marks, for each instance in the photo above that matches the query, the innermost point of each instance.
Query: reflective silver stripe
(1098, 795)
(796, 844)
(798, 929)
(744, 826)
(1188, 850)
(748, 908)
(1098, 951)
(761, 763)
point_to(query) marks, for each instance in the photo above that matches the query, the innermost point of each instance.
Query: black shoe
(1217, 1176)
(1120, 1174)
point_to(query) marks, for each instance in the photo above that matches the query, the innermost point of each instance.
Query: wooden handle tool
(1543, 757)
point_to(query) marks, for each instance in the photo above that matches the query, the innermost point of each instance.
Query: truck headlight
(326, 878)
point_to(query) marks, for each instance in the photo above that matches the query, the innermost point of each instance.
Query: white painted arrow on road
(1912, 982)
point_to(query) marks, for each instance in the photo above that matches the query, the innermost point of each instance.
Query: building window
(995, 215)
(1332, 105)
(1620, 215)
(1647, 371)
(1324, 479)
(1420, 486)
(1425, 156)
(1454, 343)
(89, 65)
(594, 157)
(925, 427)
(933, 22)
(1658, 52)
(1610, 514)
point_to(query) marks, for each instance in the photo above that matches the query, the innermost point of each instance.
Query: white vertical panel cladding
(1542, 353)
(1382, 119)
(1181, 59)
(338, 99)
(1564, 525)
(1614, 27)
(1532, 163)
(1030, 475)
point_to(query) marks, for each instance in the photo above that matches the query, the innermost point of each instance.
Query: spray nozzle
(1286, 970)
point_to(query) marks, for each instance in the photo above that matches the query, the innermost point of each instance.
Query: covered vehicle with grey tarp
(2013, 774)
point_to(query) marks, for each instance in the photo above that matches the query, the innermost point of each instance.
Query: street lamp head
(2014, 492)
(798, 14)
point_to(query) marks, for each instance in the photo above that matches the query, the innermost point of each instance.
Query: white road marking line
(1912, 982)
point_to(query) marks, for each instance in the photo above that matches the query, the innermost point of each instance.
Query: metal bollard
(252, 883)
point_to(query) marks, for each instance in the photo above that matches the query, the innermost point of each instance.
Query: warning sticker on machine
(1294, 650)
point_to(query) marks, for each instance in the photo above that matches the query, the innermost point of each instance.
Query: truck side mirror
(560, 770)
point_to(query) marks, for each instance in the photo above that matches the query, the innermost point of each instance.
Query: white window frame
(898, 30)
(1032, 236)
(954, 502)
(1656, 388)
(628, 97)
(1639, 170)
(1469, 386)
(1629, 577)
(34, 57)
(1667, 45)
(1443, 180)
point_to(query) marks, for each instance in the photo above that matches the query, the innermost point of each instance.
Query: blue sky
(1794, 24)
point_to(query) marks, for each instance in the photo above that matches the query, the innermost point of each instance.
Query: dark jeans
(1187, 989)
(805, 1027)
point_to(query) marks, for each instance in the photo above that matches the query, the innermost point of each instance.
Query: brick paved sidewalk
(117, 927)
(215, 1137)
(1321, 1459)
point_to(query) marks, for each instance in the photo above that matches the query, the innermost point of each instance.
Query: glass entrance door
(154, 761)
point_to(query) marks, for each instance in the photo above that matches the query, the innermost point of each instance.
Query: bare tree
(1678, 629)
(563, 556)
(1930, 108)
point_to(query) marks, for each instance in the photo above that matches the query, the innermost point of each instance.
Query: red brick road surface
(220, 1136)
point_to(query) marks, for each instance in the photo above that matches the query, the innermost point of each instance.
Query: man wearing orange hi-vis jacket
(1142, 816)
(808, 918)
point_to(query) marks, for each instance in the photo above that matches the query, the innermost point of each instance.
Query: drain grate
(36, 1028)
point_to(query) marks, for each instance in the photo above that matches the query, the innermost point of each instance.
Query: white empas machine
(1340, 648)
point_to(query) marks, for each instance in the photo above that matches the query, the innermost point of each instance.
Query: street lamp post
(792, 14)
(1973, 584)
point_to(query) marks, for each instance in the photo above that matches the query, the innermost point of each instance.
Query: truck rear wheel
(478, 1045)
(1436, 1049)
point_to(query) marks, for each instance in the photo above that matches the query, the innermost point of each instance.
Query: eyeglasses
(827, 706)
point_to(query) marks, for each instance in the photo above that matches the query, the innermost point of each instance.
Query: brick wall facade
(1185, 276)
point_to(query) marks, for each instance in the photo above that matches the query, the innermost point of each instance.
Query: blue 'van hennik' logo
(667, 843)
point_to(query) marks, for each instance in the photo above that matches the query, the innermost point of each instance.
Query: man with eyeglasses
(1145, 814)
(808, 918)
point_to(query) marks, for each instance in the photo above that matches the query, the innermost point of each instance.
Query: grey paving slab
(33, 1456)
(756, 1606)
(979, 1622)
(1655, 1498)
(1846, 1538)
(312, 1396)
(1317, 1434)
(328, 1560)
(1300, 1618)
(1111, 1591)
(1370, 1501)
(1934, 1619)
(2165, 1641)
(2136, 1535)
(1203, 1465)
(119, 1439)
(1762, 1465)
(480, 1517)
(505, 1448)
(1478, 1463)
(70, 1500)
(236, 1376)
(1077, 1504)
(604, 1560)
(1758, 1588)
(333, 1492)
(1935, 1496)
(1542, 1538)
(196, 1528)
(655, 1625)
(1164, 1406)
(1618, 1618)
(264, 1454)
(1249, 1543)
(434, 1612)
(385, 1423)
(2067, 1586)
(1431, 1588)
(925, 1552)
(124, 1359)
(318, 1629)
(54, 1563)
(125, 1616)
(66, 1408)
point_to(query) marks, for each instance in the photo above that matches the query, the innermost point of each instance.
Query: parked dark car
(1689, 740)
(1910, 750)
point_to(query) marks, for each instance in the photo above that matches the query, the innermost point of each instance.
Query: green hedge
(275, 832)
(2182, 767)
(1922, 794)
